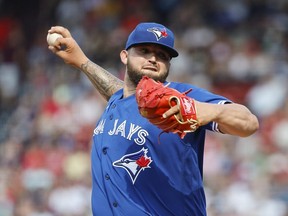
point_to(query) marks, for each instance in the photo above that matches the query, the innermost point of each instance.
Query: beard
(135, 75)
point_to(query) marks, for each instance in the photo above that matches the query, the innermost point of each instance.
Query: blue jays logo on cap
(134, 163)
(159, 33)
(152, 33)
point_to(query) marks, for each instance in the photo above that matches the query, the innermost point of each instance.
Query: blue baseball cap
(152, 33)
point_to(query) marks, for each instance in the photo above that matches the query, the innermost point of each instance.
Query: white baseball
(51, 38)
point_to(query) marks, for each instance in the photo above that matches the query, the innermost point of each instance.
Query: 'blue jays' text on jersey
(134, 174)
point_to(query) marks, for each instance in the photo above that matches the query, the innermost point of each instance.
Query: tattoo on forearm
(106, 83)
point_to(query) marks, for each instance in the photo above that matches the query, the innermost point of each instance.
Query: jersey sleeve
(203, 95)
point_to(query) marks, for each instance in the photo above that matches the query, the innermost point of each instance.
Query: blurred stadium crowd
(238, 48)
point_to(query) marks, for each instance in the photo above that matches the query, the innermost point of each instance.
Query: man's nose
(152, 57)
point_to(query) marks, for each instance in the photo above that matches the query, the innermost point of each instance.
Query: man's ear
(124, 56)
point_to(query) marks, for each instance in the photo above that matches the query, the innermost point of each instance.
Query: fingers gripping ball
(154, 99)
(52, 37)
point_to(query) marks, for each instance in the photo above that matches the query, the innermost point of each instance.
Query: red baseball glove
(154, 99)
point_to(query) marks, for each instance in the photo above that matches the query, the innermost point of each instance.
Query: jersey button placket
(113, 107)
(105, 151)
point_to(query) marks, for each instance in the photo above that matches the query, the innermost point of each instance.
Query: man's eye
(144, 50)
(163, 56)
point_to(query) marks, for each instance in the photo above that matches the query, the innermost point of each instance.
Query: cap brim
(172, 52)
